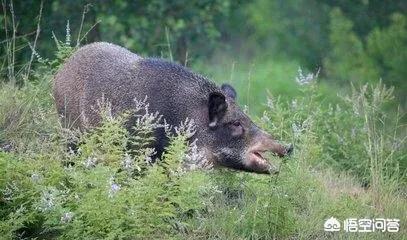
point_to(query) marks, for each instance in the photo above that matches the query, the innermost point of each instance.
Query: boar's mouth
(256, 162)
(258, 155)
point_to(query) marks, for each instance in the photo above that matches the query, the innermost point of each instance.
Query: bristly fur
(104, 70)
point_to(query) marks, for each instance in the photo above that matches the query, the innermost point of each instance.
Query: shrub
(384, 46)
(347, 60)
(104, 191)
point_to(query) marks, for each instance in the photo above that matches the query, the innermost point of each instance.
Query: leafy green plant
(384, 45)
(347, 60)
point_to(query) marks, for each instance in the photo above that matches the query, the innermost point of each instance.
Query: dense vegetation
(348, 131)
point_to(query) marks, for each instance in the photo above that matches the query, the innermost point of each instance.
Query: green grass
(261, 77)
(253, 80)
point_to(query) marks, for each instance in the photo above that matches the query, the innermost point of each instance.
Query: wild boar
(226, 135)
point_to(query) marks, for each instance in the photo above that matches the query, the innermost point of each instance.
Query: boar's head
(236, 142)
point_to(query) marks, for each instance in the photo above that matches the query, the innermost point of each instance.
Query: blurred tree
(351, 40)
(295, 28)
(388, 49)
(347, 59)
(192, 25)
(368, 14)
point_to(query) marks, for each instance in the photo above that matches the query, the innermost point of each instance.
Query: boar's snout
(263, 142)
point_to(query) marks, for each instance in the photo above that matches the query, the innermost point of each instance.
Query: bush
(347, 59)
(101, 192)
(354, 135)
(385, 46)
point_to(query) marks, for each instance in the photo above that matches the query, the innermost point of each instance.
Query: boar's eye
(236, 124)
(237, 128)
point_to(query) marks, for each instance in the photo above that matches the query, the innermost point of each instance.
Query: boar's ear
(216, 108)
(229, 90)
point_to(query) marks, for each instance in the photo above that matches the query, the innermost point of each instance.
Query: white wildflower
(245, 109)
(127, 162)
(90, 162)
(8, 192)
(141, 104)
(330, 110)
(186, 128)
(71, 152)
(167, 128)
(353, 133)
(397, 144)
(306, 124)
(270, 103)
(194, 157)
(67, 217)
(145, 119)
(356, 110)
(68, 34)
(294, 104)
(338, 109)
(265, 118)
(148, 156)
(302, 79)
(104, 107)
(48, 200)
(35, 177)
(296, 130)
(113, 187)
(36, 54)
